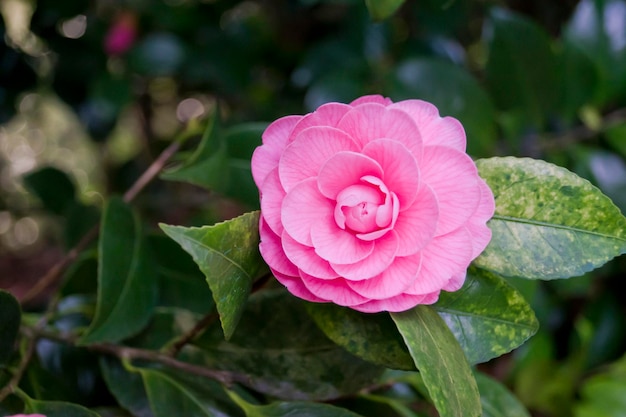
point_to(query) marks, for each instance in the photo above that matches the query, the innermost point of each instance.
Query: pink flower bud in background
(121, 34)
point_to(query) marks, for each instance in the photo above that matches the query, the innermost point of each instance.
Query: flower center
(368, 209)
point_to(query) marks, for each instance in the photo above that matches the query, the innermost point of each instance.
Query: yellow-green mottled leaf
(549, 223)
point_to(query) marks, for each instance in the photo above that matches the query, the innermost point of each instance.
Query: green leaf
(603, 394)
(579, 80)
(127, 387)
(455, 93)
(208, 165)
(53, 187)
(487, 316)
(296, 408)
(497, 401)
(127, 285)
(57, 408)
(382, 9)
(282, 352)
(9, 325)
(440, 361)
(549, 223)
(228, 255)
(521, 67)
(373, 337)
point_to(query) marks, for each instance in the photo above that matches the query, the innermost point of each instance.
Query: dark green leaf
(382, 9)
(9, 325)
(283, 353)
(521, 67)
(579, 80)
(373, 337)
(228, 255)
(549, 223)
(440, 361)
(53, 187)
(487, 316)
(497, 401)
(167, 324)
(455, 93)
(82, 275)
(80, 219)
(295, 409)
(127, 282)
(57, 409)
(127, 387)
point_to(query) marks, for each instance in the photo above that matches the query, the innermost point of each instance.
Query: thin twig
(200, 326)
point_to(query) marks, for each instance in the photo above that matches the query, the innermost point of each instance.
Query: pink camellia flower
(372, 205)
(27, 415)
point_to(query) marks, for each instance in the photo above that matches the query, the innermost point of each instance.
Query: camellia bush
(423, 224)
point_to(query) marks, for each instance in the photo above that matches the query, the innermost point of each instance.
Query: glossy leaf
(228, 255)
(487, 316)
(57, 409)
(9, 324)
(282, 353)
(373, 337)
(497, 400)
(382, 9)
(549, 223)
(295, 408)
(53, 187)
(521, 66)
(440, 361)
(127, 387)
(127, 287)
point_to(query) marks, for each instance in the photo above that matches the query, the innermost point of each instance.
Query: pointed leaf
(57, 409)
(440, 361)
(487, 316)
(127, 387)
(373, 337)
(228, 255)
(497, 401)
(549, 223)
(296, 408)
(127, 283)
(382, 9)
(9, 325)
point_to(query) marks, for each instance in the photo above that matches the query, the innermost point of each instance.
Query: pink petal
(379, 260)
(275, 136)
(435, 130)
(391, 282)
(446, 256)
(401, 174)
(375, 98)
(370, 121)
(336, 245)
(456, 282)
(335, 290)
(328, 114)
(401, 302)
(453, 177)
(416, 225)
(297, 288)
(303, 207)
(305, 258)
(304, 157)
(272, 251)
(481, 234)
(271, 202)
(344, 169)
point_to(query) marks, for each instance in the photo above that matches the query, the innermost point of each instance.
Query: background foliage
(97, 97)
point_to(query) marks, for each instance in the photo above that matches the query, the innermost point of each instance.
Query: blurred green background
(92, 91)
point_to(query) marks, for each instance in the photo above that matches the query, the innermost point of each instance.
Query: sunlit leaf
(487, 316)
(549, 223)
(9, 324)
(228, 255)
(127, 285)
(497, 401)
(440, 361)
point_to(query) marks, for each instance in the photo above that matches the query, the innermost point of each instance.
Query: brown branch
(200, 326)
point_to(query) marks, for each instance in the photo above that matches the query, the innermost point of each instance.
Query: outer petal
(379, 260)
(302, 208)
(344, 169)
(401, 173)
(297, 288)
(456, 282)
(481, 234)
(305, 258)
(453, 177)
(335, 290)
(272, 251)
(400, 302)
(271, 201)
(336, 245)
(375, 98)
(370, 121)
(416, 225)
(328, 114)
(391, 282)
(435, 130)
(446, 256)
(265, 158)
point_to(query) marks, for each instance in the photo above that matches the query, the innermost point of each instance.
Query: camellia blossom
(27, 415)
(372, 205)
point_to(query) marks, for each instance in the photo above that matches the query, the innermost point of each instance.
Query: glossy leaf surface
(549, 223)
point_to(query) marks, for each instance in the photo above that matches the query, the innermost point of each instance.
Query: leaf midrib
(485, 318)
(220, 254)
